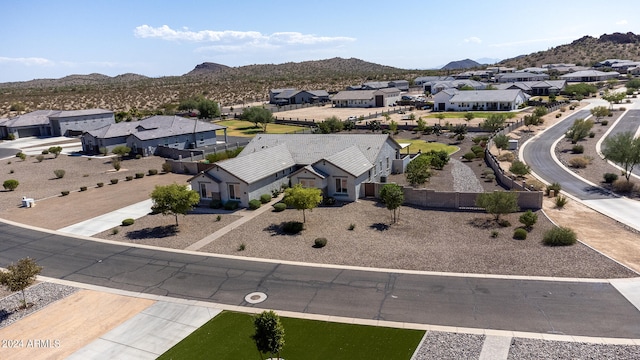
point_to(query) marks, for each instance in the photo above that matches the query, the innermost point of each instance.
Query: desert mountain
(461, 64)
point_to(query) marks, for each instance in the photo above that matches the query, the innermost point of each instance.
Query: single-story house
(434, 87)
(590, 76)
(366, 98)
(481, 74)
(339, 164)
(55, 122)
(400, 84)
(420, 80)
(293, 96)
(634, 71)
(145, 136)
(536, 88)
(470, 100)
(520, 76)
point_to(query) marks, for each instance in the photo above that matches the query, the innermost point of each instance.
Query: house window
(381, 166)
(388, 163)
(308, 183)
(234, 192)
(203, 190)
(341, 185)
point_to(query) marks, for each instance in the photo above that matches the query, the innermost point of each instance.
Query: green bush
(10, 184)
(65, 192)
(352, 227)
(507, 156)
(604, 122)
(592, 134)
(495, 234)
(486, 172)
(21, 155)
(561, 201)
(129, 177)
(577, 149)
(578, 162)
(319, 243)
(166, 167)
(254, 204)
(528, 219)
(40, 158)
(100, 184)
(45, 152)
(469, 156)
(138, 156)
(329, 201)
(292, 227)
(504, 223)
(476, 149)
(153, 172)
(128, 222)
(559, 236)
(623, 186)
(114, 181)
(520, 234)
(553, 186)
(489, 178)
(278, 207)
(265, 198)
(609, 178)
(231, 205)
(83, 188)
(59, 173)
(139, 175)
(215, 204)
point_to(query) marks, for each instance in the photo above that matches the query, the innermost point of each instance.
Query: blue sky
(55, 38)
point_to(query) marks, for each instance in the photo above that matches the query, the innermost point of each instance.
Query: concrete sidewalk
(110, 220)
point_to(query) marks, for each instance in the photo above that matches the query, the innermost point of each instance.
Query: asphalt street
(552, 307)
(630, 122)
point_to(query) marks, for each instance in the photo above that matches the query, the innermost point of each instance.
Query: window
(234, 192)
(341, 185)
(388, 163)
(203, 190)
(308, 183)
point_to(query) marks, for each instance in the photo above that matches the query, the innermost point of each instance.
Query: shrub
(116, 164)
(166, 167)
(100, 184)
(592, 134)
(489, 178)
(45, 152)
(577, 149)
(579, 162)
(278, 207)
(559, 236)
(623, 186)
(231, 205)
(265, 198)
(40, 158)
(520, 234)
(561, 201)
(115, 231)
(128, 222)
(528, 219)
(469, 156)
(519, 168)
(504, 223)
(254, 204)
(486, 172)
(352, 227)
(138, 156)
(275, 193)
(476, 149)
(558, 115)
(609, 178)
(319, 243)
(215, 204)
(292, 227)
(604, 122)
(152, 172)
(114, 181)
(129, 177)
(65, 192)
(139, 175)
(59, 173)
(10, 184)
(241, 247)
(494, 234)
(478, 139)
(11, 171)
(219, 217)
(83, 188)
(507, 156)
(21, 155)
(329, 201)
(553, 186)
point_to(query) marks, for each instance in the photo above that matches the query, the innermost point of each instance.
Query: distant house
(55, 122)
(419, 81)
(434, 87)
(536, 88)
(338, 164)
(487, 100)
(634, 71)
(480, 74)
(400, 84)
(294, 96)
(366, 98)
(590, 76)
(520, 77)
(145, 136)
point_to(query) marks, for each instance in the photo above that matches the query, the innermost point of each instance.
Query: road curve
(587, 308)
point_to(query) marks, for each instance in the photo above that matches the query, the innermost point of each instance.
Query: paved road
(630, 122)
(572, 308)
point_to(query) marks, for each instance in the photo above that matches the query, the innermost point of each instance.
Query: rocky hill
(461, 64)
(585, 51)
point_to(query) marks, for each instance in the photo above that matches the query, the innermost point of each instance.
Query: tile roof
(155, 127)
(257, 165)
(486, 96)
(71, 113)
(351, 160)
(34, 118)
(354, 95)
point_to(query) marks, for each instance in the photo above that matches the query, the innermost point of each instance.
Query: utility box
(28, 202)
(513, 144)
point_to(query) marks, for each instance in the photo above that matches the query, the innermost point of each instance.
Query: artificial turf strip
(248, 129)
(228, 336)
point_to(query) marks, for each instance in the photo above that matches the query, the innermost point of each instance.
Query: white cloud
(30, 61)
(236, 39)
(473, 39)
(622, 22)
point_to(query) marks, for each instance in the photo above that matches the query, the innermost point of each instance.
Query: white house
(366, 98)
(339, 164)
(590, 76)
(55, 122)
(487, 100)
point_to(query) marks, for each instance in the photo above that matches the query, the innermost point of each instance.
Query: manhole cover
(255, 297)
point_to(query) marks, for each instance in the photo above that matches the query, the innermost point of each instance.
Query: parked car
(352, 118)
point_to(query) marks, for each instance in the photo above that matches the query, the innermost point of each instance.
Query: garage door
(28, 132)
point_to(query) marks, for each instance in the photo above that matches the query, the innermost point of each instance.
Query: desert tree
(531, 120)
(623, 149)
(540, 111)
(599, 112)
(421, 124)
(501, 141)
(579, 130)
(528, 219)
(498, 203)
(613, 97)
(207, 109)
(55, 150)
(268, 333)
(468, 116)
(519, 168)
(19, 276)
(301, 198)
(419, 170)
(258, 116)
(493, 122)
(121, 151)
(392, 196)
(331, 125)
(173, 199)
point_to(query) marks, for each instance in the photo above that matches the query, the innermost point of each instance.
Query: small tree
(498, 203)
(468, 116)
(55, 150)
(528, 219)
(392, 197)
(419, 170)
(421, 124)
(623, 149)
(258, 115)
(440, 117)
(531, 120)
(540, 111)
(10, 184)
(19, 276)
(599, 112)
(121, 151)
(269, 333)
(493, 122)
(579, 130)
(613, 97)
(393, 127)
(331, 125)
(173, 199)
(501, 141)
(519, 168)
(207, 109)
(301, 198)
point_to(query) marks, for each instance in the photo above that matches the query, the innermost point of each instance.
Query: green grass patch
(248, 129)
(417, 144)
(460, 114)
(228, 336)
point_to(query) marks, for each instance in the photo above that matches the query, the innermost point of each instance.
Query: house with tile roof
(483, 100)
(294, 96)
(145, 136)
(590, 76)
(339, 164)
(55, 122)
(536, 88)
(520, 76)
(366, 98)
